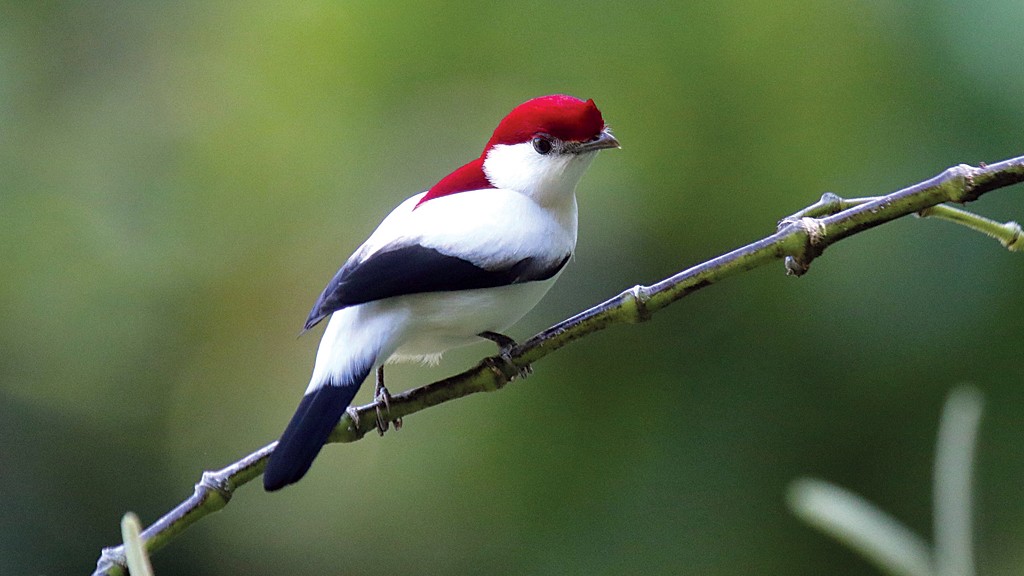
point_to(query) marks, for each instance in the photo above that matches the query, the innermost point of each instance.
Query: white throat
(550, 180)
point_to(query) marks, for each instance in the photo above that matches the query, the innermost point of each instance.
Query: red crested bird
(462, 261)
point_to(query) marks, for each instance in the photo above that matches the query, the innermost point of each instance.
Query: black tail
(318, 414)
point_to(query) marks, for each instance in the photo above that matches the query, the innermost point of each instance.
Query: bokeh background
(180, 179)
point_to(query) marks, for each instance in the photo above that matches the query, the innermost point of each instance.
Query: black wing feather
(416, 269)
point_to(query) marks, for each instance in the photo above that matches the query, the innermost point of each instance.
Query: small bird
(460, 262)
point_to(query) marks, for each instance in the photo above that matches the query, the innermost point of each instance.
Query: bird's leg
(505, 346)
(382, 398)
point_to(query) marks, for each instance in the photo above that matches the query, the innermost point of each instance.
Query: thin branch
(1009, 234)
(211, 494)
(799, 240)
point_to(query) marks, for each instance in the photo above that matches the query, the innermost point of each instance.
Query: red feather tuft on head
(567, 118)
(564, 117)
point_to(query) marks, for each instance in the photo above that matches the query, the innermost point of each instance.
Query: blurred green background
(179, 181)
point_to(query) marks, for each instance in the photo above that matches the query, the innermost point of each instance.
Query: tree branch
(800, 239)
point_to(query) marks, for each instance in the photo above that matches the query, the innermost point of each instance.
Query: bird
(451, 266)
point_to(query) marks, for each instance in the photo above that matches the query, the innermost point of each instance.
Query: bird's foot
(505, 346)
(382, 401)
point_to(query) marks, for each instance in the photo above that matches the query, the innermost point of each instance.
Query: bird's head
(544, 145)
(540, 149)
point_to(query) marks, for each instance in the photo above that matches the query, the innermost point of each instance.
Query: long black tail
(318, 414)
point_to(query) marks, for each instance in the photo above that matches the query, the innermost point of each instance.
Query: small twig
(1009, 234)
(799, 240)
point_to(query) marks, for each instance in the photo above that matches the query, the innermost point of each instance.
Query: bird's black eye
(542, 145)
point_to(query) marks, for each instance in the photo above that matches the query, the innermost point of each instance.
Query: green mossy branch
(799, 239)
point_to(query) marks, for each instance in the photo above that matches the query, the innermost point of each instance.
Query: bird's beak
(599, 142)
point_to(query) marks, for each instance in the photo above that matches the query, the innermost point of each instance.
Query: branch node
(961, 180)
(111, 559)
(213, 482)
(830, 203)
(814, 231)
(638, 296)
(1016, 241)
(795, 267)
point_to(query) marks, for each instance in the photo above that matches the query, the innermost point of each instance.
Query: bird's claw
(382, 401)
(520, 372)
(354, 415)
(505, 347)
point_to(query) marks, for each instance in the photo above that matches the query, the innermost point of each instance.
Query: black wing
(416, 269)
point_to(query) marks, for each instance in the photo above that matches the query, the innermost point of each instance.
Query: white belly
(438, 322)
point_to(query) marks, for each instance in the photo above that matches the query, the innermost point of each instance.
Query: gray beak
(600, 142)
